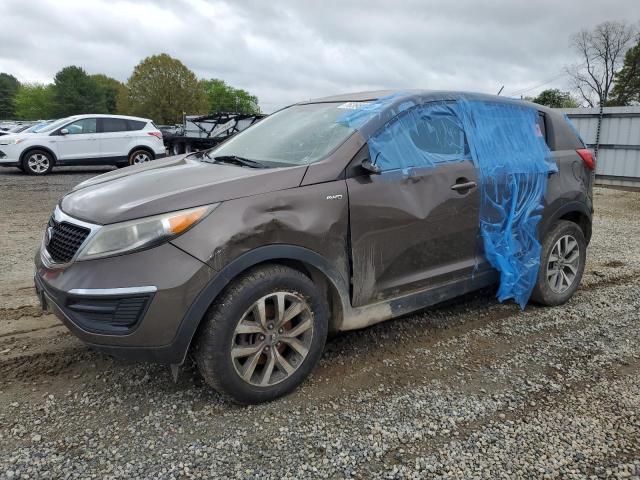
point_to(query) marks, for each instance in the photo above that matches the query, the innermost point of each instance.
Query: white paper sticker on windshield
(353, 105)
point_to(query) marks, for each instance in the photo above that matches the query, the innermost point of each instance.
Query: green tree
(8, 88)
(110, 88)
(225, 98)
(75, 92)
(34, 101)
(555, 98)
(163, 88)
(626, 90)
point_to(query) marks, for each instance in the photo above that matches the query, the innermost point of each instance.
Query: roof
(416, 97)
(107, 115)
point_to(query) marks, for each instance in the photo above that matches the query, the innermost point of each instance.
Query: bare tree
(602, 51)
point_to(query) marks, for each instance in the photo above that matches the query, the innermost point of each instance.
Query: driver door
(80, 143)
(418, 227)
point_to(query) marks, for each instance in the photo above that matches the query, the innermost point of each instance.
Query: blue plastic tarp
(509, 151)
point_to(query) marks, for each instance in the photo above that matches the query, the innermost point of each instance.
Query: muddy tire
(562, 264)
(37, 162)
(263, 335)
(140, 156)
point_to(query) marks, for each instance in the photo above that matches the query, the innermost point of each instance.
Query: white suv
(83, 140)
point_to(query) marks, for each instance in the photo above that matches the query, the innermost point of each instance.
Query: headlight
(142, 233)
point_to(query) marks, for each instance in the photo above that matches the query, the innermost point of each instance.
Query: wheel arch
(575, 212)
(38, 147)
(142, 147)
(310, 263)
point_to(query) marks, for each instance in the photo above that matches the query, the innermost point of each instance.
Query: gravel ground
(472, 389)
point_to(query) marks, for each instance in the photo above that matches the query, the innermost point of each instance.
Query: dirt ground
(472, 389)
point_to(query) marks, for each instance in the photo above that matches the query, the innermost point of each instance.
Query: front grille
(65, 240)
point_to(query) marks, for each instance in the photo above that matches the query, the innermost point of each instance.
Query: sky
(287, 51)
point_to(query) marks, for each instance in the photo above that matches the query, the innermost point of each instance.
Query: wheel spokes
(268, 369)
(297, 345)
(246, 350)
(299, 329)
(282, 362)
(272, 339)
(250, 366)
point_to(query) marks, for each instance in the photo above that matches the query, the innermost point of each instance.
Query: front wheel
(263, 336)
(37, 162)
(562, 264)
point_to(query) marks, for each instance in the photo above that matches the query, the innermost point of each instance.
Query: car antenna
(500, 91)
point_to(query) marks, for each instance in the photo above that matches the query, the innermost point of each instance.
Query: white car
(83, 140)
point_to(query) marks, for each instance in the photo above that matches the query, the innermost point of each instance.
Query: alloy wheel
(563, 264)
(141, 158)
(38, 163)
(272, 339)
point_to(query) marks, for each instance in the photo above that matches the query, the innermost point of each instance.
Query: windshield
(58, 123)
(38, 128)
(297, 135)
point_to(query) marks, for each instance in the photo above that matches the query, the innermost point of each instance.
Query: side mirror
(371, 167)
(64, 131)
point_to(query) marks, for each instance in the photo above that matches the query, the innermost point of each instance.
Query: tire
(139, 156)
(220, 349)
(37, 162)
(558, 280)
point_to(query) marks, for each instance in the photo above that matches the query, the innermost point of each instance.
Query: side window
(136, 124)
(542, 126)
(85, 125)
(423, 136)
(110, 125)
(442, 135)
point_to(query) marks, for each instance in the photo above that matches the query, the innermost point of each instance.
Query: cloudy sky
(285, 51)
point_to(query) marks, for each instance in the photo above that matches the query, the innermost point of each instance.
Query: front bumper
(130, 306)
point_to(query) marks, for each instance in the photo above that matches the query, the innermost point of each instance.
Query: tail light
(155, 134)
(587, 158)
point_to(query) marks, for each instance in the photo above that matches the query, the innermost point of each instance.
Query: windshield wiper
(245, 162)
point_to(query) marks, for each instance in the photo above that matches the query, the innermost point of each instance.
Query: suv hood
(171, 184)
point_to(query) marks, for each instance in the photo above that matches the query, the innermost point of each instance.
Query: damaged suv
(328, 215)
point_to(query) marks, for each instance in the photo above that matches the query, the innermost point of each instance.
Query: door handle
(461, 187)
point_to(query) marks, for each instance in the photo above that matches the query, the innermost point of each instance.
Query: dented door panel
(410, 230)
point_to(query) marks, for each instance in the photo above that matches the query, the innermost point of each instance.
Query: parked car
(83, 140)
(16, 129)
(248, 254)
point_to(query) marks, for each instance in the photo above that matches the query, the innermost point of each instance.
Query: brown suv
(328, 215)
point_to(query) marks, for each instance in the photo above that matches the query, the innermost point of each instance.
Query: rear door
(418, 227)
(81, 143)
(114, 138)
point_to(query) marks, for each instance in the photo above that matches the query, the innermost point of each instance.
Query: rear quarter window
(136, 124)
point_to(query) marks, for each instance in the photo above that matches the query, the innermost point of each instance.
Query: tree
(8, 88)
(162, 88)
(75, 92)
(225, 98)
(110, 89)
(34, 101)
(626, 91)
(601, 51)
(555, 98)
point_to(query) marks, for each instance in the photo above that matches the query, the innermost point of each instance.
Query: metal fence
(618, 158)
